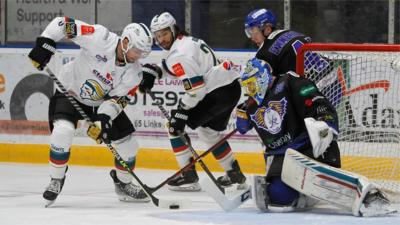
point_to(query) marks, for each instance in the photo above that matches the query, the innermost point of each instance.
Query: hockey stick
(216, 145)
(171, 204)
(184, 139)
(227, 204)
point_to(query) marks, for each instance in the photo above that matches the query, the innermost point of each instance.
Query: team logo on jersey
(92, 90)
(86, 29)
(70, 27)
(178, 70)
(193, 83)
(270, 118)
(186, 84)
(105, 80)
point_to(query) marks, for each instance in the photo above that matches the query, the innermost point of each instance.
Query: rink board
(158, 158)
(152, 158)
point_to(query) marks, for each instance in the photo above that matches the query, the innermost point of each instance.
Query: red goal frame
(340, 47)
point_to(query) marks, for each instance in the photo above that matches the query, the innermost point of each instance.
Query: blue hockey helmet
(258, 18)
(256, 78)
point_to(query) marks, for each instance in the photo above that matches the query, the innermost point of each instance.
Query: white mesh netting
(364, 88)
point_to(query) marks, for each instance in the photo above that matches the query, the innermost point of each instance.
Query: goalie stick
(229, 204)
(184, 139)
(226, 203)
(163, 203)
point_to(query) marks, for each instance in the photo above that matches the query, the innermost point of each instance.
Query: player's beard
(167, 44)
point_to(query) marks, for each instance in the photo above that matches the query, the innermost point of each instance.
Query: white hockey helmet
(162, 21)
(139, 37)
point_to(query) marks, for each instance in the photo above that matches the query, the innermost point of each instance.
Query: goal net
(360, 82)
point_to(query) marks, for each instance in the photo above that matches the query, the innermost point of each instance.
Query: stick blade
(222, 200)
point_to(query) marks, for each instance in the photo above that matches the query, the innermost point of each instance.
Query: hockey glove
(100, 130)
(321, 135)
(150, 73)
(42, 52)
(243, 124)
(178, 121)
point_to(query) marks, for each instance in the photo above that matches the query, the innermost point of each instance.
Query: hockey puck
(174, 207)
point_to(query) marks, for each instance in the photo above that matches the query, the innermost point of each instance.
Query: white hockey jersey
(192, 61)
(93, 75)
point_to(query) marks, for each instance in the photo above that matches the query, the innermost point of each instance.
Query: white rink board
(147, 118)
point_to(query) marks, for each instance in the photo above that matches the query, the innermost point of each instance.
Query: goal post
(364, 86)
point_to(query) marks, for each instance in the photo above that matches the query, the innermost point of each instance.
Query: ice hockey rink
(88, 198)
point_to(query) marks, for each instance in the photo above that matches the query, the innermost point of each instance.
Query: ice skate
(375, 203)
(233, 176)
(258, 192)
(128, 192)
(187, 181)
(53, 190)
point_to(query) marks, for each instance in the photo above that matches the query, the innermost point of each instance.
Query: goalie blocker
(346, 190)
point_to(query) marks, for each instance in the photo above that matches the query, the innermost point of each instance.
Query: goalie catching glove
(41, 54)
(100, 130)
(321, 135)
(150, 73)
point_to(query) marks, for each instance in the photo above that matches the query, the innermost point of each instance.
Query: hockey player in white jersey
(102, 78)
(212, 90)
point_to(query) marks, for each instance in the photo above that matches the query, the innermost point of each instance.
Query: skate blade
(187, 187)
(130, 199)
(380, 213)
(49, 203)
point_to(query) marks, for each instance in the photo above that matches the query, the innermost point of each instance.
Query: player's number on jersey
(204, 47)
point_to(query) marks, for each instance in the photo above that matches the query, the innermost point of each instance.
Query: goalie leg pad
(337, 187)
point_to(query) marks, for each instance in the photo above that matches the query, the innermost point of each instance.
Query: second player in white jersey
(212, 91)
(102, 78)
(191, 60)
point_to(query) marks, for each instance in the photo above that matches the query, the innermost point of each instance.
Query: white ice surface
(88, 198)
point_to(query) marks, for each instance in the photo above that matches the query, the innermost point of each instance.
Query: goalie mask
(257, 19)
(256, 78)
(140, 39)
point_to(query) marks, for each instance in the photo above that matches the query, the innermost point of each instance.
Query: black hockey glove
(150, 73)
(42, 52)
(100, 130)
(178, 121)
